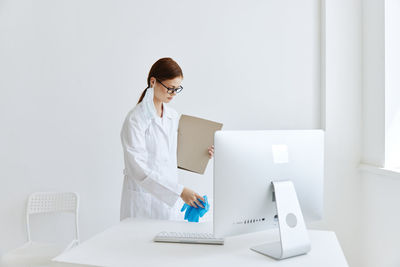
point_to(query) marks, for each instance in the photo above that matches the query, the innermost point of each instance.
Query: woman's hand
(211, 152)
(191, 198)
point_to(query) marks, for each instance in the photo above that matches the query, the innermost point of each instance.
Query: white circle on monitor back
(291, 220)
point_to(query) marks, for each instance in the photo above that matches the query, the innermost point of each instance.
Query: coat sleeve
(135, 153)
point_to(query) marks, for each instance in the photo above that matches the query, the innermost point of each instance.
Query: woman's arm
(135, 152)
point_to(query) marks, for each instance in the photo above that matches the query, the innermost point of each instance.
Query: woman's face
(161, 93)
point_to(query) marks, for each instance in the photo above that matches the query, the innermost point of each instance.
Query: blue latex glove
(193, 214)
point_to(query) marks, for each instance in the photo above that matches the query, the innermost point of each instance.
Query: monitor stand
(294, 238)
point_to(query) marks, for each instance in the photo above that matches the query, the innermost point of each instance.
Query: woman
(149, 141)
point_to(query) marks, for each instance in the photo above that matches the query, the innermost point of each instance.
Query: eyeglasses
(171, 90)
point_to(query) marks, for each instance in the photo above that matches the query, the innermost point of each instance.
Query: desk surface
(130, 243)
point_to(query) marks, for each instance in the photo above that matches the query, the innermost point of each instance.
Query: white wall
(71, 70)
(343, 92)
(381, 219)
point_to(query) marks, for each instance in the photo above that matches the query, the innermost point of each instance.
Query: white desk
(129, 243)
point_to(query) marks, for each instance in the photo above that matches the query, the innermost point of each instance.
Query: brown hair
(164, 69)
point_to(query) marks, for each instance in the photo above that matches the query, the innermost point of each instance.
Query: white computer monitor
(251, 167)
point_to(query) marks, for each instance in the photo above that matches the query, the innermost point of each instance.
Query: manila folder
(195, 135)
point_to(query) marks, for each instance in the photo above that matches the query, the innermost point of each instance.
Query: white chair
(38, 253)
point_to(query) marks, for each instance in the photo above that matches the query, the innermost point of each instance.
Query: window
(392, 84)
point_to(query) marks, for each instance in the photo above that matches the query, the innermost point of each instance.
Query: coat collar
(150, 109)
(168, 112)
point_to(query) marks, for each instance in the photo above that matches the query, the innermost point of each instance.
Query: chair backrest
(50, 202)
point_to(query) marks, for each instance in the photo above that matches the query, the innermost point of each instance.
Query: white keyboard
(191, 238)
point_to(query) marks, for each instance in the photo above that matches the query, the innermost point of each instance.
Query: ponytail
(142, 95)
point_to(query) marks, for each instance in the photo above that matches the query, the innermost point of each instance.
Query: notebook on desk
(195, 135)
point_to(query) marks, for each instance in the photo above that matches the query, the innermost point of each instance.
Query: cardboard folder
(195, 135)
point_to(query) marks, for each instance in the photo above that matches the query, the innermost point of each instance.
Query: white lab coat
(151, 188)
